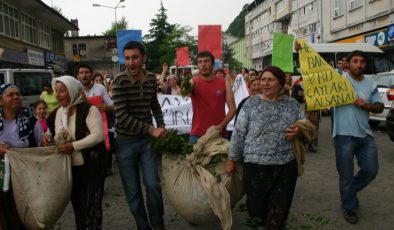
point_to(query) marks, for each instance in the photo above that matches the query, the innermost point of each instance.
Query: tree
(228, 58)
(155, 39)
(237, 26)
(178, 37)
(121, 25)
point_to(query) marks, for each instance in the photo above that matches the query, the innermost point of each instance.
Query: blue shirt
(350, 120)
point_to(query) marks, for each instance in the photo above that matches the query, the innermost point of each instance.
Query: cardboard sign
(324, 87)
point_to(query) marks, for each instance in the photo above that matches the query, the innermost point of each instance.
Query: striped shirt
(134, 104)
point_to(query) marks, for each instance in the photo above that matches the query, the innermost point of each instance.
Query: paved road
(316, 202)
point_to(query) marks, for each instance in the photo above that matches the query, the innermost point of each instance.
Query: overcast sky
(95, 20)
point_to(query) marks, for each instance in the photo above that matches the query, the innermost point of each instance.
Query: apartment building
(345, 21)
(302, 18)
(32, 35)
(369, 21)
(100, 52)
(240, 54)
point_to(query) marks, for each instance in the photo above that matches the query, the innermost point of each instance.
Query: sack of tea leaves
(197, 186)
(41, 181)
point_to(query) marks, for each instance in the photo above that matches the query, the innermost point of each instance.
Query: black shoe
(350, 216)
(312, 149)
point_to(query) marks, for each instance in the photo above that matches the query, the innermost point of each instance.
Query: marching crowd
(268, 123)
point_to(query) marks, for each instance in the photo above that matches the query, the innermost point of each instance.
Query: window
(43, 35)
(279, 6)
(57, 41)
(313, 27)
(338, 8)
(265, 14)
(81, 50)
(9, 23)
(28, 29)
(353, 4)
(31, 83)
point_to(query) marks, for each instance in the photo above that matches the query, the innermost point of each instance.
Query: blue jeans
(134, 153)
(193, 139)
(346, 147)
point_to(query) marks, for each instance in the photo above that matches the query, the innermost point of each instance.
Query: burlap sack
(200, 191)
(41, 181)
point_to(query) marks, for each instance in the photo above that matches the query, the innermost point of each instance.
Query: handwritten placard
(324, 87)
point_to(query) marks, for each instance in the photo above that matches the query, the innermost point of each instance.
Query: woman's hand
(66, 148)
(229, 168)
(46, 140)
(292, 132)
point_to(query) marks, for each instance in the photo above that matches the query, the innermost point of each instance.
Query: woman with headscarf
(18, 129)
(77, 130)
(262, 138)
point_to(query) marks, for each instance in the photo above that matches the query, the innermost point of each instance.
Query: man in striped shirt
(134, 95)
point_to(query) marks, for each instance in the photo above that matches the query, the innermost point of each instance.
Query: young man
(209, 96)
(91, 89)
(135, 99)
(84, 75)
(353, 136)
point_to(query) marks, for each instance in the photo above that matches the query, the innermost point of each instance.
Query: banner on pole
(324, 87)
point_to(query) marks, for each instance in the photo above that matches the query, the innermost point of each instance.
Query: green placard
(282, 52)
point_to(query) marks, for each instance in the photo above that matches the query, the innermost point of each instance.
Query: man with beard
(209, 96)
(84, 75)
(353, 136)
(135, 98)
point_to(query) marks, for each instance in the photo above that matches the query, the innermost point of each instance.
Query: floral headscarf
(23, 118)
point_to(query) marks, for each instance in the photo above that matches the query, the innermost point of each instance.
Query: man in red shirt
(209, 96)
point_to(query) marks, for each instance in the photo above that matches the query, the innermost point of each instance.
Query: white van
(29, 81)
(378, 62)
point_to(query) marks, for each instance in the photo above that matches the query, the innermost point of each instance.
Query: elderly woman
(18, 129)
(262, 139)
(77, 130)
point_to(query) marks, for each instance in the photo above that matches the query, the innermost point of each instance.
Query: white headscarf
(75, 90)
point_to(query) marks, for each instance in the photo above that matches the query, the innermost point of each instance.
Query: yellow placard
(324, 87)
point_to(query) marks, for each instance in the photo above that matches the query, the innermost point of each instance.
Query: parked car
(390, 118)
(385, 82)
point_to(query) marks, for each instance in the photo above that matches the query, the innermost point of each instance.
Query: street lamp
(114, 8)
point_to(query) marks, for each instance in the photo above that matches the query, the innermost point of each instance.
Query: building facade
(99, 52)
(240, 52)
(32, 35)
(369, 21)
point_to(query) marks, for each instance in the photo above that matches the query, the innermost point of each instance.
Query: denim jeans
(346, 147)
(134, 154)
(193, 139)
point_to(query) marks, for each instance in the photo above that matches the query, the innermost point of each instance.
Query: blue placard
(125, 36)
(390, 32)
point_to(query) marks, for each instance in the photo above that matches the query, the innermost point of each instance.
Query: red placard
(210, 39)
(182, 56)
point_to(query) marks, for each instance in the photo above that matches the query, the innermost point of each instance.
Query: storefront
(382, 38)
